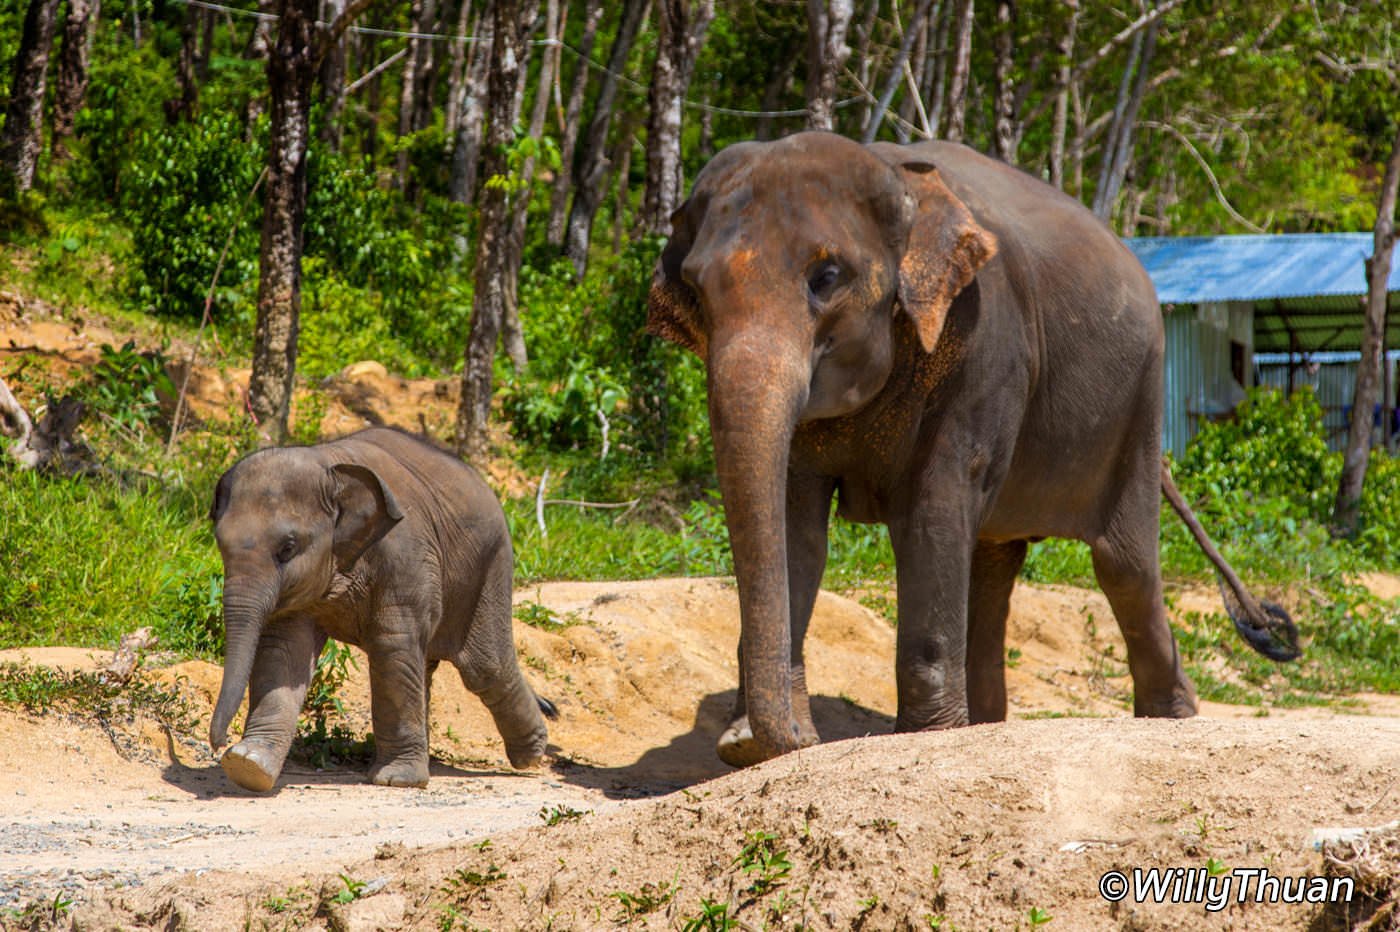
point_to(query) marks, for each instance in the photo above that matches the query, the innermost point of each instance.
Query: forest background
(476, 191)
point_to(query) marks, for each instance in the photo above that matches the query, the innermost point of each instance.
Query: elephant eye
(823, 280)
(289, 549)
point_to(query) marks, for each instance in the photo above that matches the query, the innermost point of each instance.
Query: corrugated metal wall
(1198, 382)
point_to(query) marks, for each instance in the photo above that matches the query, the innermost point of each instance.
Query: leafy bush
(122, 106)
(187, 190)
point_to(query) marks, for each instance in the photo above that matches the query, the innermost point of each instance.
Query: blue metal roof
(1193, 269)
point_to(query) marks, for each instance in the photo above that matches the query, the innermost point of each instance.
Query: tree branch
(1210, 175)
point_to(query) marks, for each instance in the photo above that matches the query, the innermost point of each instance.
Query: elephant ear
(672, 310)
(946, 248)
(365, 511)
(222, 491)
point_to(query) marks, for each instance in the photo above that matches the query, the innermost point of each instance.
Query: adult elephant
(953, 349)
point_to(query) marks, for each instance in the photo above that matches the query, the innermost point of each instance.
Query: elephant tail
(1265, 626)
(547, 708)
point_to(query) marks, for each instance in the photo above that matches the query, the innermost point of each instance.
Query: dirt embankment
(971, 825)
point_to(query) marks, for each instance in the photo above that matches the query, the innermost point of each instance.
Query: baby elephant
(377, 540)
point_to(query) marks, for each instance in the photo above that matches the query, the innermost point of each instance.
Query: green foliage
(126, 385)
(88, 696)
(647, 900)
(122, 107)
(762, 858)
(323, 738)
(555, 815)
(186, 192)
(713, 917)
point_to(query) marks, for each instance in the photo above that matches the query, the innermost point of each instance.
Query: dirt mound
(996, 826)
(644, 674)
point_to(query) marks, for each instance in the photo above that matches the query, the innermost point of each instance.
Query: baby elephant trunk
(246, 608)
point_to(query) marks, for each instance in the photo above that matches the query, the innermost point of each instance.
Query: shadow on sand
(690, 758)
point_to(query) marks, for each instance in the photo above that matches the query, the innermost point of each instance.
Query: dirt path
(147, 828)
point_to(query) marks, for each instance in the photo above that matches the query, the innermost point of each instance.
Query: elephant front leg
(398, 707)
(933, 553)
(282, 670)
(808, 514)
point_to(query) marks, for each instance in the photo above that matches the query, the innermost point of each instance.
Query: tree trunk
(1004, 132)
(591, 175)
(827, 24)
(681, 33)
(912, 31)
(563, 181)
(21, 136)
(512, 332)
(622, 158)
(457, 73)
(1346, 512)
(774, 91)
(1064, 50)
(417, 64)
(955, 107)
(466, 150)
(911, 101)
(70, 86)
(511, 24)
(939, 66)
(1118, 151)
(291, 70)
(182, 107)
(332, 77)
(865, 32)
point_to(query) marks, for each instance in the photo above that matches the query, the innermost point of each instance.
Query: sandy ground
(145, 830)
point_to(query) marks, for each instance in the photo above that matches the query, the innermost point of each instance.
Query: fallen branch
(128, 655)
(15, 423)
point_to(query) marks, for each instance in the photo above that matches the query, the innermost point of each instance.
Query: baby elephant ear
(672, 311)
(946, 249)
(365, 511)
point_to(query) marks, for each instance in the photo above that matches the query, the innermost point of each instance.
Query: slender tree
(568, 142)
(1346, 511)
(291, 72)
(955, 106)
(511, 24)
(21, 135)
(332, 78)
(1064, 50)
(591, 172)
(1118, 151)
(827, 51)
(683, 24)
(1005, 134)
(912, 30)
(466, 148)
(417, 66)
(70, 85)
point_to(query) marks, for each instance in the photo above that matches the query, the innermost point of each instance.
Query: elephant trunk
(246, 607)
(755, 393)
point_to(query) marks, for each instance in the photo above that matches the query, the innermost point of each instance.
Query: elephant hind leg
(994, 569)
(489, 668)
(1127, 568)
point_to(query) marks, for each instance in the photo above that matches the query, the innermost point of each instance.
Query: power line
(632, 83)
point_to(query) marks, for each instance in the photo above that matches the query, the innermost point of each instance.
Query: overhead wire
(632, 83)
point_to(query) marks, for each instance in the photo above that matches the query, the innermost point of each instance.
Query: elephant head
(286, 522)
(789, 269)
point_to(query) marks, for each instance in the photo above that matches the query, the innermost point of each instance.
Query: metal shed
(1227, 298)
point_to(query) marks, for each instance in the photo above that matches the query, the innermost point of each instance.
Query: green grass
(84, 561)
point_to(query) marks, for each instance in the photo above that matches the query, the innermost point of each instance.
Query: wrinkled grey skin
(950, 348)
(377, 540)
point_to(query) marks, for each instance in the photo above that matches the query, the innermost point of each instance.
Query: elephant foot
(737, 747)
(403, 771)
(527, 753)
(251, 767)
(1179, 703)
